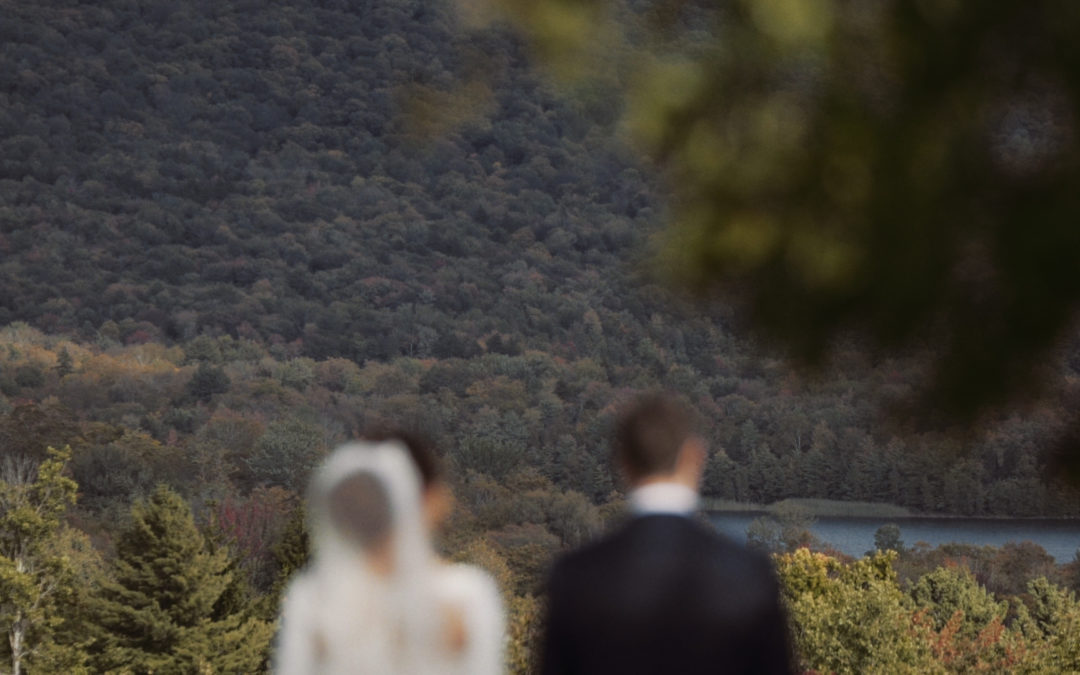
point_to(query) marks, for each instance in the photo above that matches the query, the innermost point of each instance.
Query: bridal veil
(366, 603)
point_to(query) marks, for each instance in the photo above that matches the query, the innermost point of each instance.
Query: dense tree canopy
(159, 612)
(172, 176)
(38, 575)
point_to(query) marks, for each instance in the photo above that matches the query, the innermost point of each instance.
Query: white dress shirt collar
(663, 498)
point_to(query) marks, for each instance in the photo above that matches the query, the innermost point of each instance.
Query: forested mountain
(376, 182)
(218, 168)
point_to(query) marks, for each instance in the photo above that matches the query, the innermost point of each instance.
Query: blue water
(855, 536)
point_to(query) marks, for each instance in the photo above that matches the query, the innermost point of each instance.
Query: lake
(855, 536)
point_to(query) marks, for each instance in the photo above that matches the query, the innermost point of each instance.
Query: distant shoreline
(832, 508)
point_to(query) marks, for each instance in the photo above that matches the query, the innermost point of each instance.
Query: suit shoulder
(594, 555)
(584, 554)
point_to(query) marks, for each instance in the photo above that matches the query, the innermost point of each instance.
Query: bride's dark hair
(421, 451)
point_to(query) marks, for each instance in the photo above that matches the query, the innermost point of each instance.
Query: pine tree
(65, 365)
(207, 381)
(291, 554)
(38, 575)
(158, 613)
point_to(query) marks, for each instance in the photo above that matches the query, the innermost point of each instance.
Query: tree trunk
(15, 639)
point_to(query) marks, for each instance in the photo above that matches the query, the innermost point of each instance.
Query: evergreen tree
(947, 590)
(887, 538)
(1052, 620)
(158, 613)
(37, 575)
(291, 554)
(207, 381)
(64, 363)
(719, 480)
(764, 469)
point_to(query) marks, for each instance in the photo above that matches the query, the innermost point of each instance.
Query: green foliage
(851, 618)
(291, 553)
(785, 529)
(39, 582)
(64, 363)
(968, 631)
(763, 534)
(1003, 571)
(1052, 622)
(515, 525)
(207, 381)
(887, 538)
(118, 468)
(251, 529)
(287, 451)
(950, 590)
(328, 259)
(157, 612)
(854, 618)
(29, 376)
(488, 455)
(509, 413)
(1015, 564)
(26, 432)
(524, 633)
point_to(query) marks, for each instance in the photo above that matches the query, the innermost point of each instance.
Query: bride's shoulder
(460, 580)
(475, 617)
(473, 592)
(472, 621)
(300, 591)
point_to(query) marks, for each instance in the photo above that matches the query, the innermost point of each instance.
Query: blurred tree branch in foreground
(901, 172)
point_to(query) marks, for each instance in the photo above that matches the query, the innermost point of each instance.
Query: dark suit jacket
(665, 594)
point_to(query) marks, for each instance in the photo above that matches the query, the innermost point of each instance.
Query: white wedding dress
(394, 610)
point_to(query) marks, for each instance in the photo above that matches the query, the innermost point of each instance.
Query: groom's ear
(690, 462)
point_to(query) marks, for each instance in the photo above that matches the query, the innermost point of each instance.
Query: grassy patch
(837, 509)
(712, 504)
(817, 508)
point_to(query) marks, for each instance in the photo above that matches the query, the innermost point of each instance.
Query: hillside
(238, 185)
(221, 170)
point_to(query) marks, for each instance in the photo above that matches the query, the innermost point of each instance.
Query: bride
(374, 598)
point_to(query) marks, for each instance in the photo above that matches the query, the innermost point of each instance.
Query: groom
(664, 593)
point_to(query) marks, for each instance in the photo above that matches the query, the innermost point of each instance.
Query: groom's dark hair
(650, 433)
